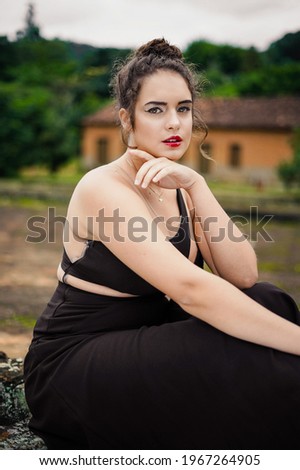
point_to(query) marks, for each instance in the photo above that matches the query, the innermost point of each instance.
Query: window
(102, 151)
(235, 156)
(205, 162)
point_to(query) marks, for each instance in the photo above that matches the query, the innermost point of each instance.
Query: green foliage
(8, 58)
(229, 60)
(223, 65)
(233, 71)
(42, 104)
(35, 127)
(286, 49)
(201, 53)
(17, 131)
(289, 172)
(42, 62)
(272, 80)
(98, 66)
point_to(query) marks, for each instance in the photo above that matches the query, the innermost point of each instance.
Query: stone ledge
(14, 412)
(18, 436)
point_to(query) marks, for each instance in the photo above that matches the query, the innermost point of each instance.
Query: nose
(173, 121)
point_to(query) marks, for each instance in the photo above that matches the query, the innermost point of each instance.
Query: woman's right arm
(111, 209)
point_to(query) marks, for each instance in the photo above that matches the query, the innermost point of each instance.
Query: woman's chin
(174, 155)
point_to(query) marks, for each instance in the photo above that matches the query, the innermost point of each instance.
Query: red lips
(173, 141)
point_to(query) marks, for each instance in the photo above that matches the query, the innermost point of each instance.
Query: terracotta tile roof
(106, 116)
(253, 113)
(231, 113)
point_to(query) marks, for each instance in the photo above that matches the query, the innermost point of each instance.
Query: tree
(36, 127)
(31, 32)
(59, 136)
(286, 49)
(251, 59)
(20, 122)
(229, 60)
(98, 66)
(8, 58)
(272, 80)
(43, 62)
(289, 172)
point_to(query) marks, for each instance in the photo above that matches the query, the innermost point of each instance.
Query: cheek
(191, 122)
(145, 129)
(188, 128)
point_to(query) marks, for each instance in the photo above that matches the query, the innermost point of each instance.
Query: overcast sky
(129, 23)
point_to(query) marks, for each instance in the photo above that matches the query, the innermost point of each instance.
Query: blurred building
(247, 137)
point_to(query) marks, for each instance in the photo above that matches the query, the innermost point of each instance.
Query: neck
(131, 166)
(134, 163)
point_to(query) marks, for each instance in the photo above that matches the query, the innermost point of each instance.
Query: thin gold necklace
(169, 233)
(158, 195)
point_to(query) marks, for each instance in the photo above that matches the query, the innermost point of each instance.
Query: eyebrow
(163, 103)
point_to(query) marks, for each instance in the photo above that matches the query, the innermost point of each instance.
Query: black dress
(140, 373)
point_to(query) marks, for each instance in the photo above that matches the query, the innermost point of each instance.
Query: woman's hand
(161, 171)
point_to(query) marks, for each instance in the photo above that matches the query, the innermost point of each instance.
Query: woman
(140, 347)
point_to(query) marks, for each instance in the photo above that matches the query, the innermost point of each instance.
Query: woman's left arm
(231, 256)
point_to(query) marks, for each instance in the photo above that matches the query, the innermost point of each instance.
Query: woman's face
(163, 115)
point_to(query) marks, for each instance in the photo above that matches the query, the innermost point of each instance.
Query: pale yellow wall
(261, 151)
(90, 138)
(258, 148)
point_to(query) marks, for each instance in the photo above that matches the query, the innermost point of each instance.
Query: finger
(162, 173)
(145, 168)
(151, 173)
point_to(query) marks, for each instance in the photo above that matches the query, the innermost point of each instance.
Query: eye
(184, 109)
(154, 110)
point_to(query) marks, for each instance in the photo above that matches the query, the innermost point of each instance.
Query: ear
(125, 120)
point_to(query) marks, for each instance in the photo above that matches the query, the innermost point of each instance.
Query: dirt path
(27, 277)
(15, 345)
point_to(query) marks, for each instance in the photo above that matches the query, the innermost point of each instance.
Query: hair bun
(160, 48)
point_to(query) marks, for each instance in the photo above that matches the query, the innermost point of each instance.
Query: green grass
(297, 268)
(26, 322)
(276, 190)
(29, 203)
(271, 266)
(68, 174)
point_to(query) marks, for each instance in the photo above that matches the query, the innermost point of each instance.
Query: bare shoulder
(102, 181)
(101, 177)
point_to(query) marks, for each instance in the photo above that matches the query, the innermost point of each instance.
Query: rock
(14, 412)
(18, 437)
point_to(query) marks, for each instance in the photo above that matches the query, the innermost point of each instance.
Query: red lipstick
(173, 141)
